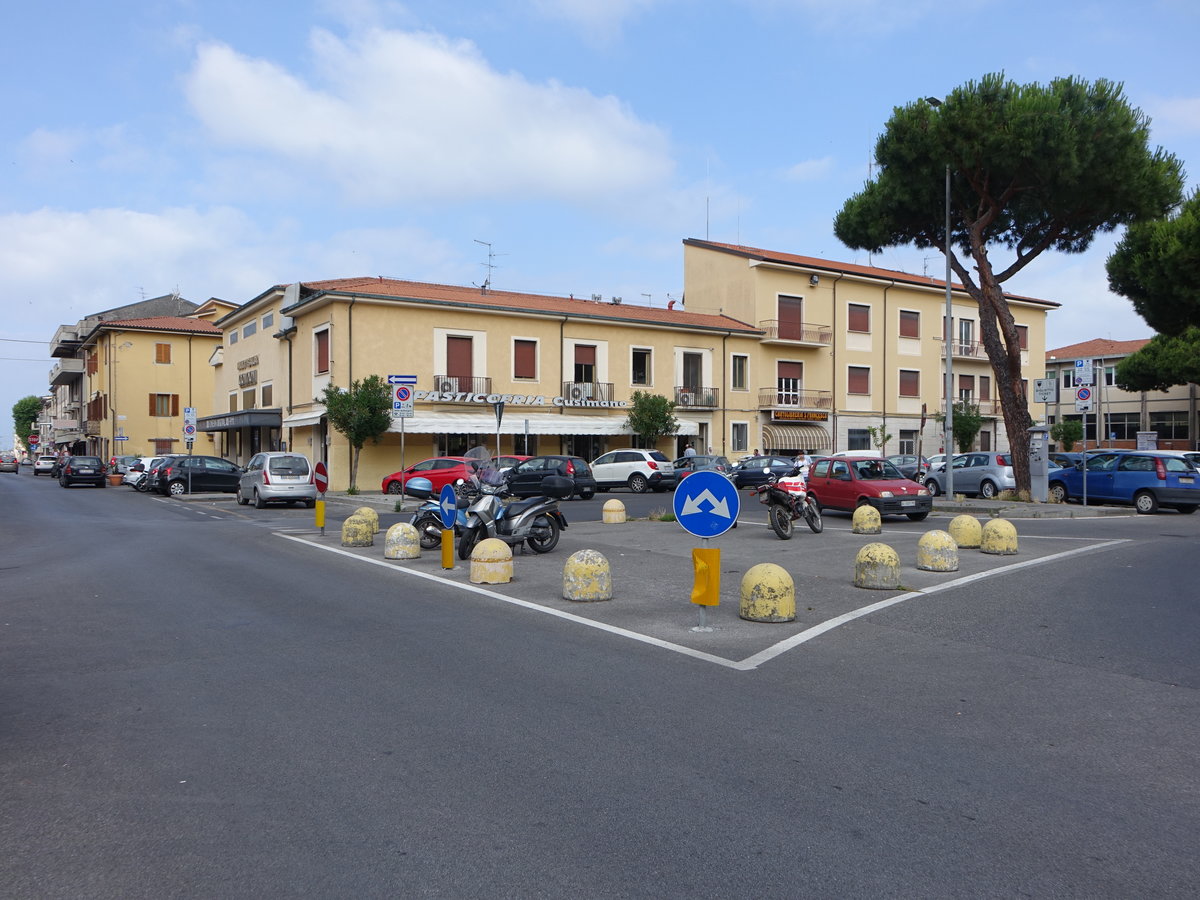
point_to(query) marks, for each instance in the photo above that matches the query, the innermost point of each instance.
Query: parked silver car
(277, 477)
(985, 474)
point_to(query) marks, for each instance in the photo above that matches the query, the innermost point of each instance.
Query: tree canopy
(25, 414)
(650, 416)
(362, 413)
(1032, 168)
(1157, 266)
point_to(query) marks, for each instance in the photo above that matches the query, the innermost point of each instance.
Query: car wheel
(1058, 491)
(309, 504)
(932, 487)
(1186, 508)
(242, 500)
(638, 483)
(62, 483)
(259, 502)
(1145, 502)
(176, 488)
(987, 490)
(103, 482)
(586, 495)
(918, 517)
(395, 487)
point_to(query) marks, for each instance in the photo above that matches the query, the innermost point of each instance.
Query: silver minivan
(278, 477)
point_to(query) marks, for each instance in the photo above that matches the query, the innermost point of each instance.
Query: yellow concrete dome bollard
(491, 562)
(370, 515)
(866, 520)
(613, 512)
(937, 552)
(966, 532)
(587, 576)
(999, 538)
(877, 567)
(768, 594)
(356, 532)
(402, 542)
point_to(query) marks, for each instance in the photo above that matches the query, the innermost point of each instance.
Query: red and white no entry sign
(321, 477)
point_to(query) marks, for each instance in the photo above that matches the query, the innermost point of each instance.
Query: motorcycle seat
(515, 509)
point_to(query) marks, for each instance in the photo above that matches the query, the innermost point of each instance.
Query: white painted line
(817, 630)
(579, 620)
(750, 662)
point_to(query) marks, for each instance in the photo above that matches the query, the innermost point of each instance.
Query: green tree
(650, 417)
(967, 421)
(1067, 433)
(25, 414)
(361, 414)
(1032, 168)
(1157, 266)
(879, 436)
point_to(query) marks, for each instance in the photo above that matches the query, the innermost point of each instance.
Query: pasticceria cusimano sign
(516, 399)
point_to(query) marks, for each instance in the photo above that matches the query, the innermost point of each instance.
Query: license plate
(1186, 480)
(84, 471)
(908, 502)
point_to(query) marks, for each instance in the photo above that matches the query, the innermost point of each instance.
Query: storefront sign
(248, 371)
(515, 400)
(798, 415)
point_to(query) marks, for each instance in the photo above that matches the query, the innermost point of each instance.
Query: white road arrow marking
(692, 504)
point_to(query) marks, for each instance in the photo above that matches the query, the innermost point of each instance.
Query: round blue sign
(706, 504)
(448, 503)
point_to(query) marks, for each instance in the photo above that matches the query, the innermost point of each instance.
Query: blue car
(1146, 479)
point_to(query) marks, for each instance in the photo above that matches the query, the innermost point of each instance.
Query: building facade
(1169, 418)
(844, 348)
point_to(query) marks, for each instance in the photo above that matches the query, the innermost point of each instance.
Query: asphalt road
(193, 706)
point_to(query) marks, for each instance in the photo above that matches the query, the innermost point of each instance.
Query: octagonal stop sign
(321, 477)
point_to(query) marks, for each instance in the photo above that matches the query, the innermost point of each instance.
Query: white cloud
(810, 169)
(596, 19)
(406, 116)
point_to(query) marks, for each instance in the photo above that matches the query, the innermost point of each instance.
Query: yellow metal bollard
(320, 515)
(447, 548)
(706, 590)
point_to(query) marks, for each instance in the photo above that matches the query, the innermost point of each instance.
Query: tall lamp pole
(948, 328)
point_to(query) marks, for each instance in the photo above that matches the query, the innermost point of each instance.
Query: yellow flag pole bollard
(706, 589)
(320, 513)
(447, 548)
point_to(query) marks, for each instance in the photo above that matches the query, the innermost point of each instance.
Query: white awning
(795, 437)
(514, 423)
(303, 420)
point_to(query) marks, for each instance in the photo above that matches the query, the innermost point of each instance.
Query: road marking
(750, 662)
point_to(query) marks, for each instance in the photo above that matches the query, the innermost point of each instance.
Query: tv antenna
(489, 265)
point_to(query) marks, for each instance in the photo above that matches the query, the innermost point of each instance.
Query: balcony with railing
(461, 384)
(777, 398)
(706, 397)
(802, 334)
(65, 341)
(583, 391)
(967, 350)
(66, 371)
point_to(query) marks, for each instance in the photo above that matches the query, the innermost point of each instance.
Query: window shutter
(174, 404)
(153, 406)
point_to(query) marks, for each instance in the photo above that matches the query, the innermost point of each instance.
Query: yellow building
(138, 377)
(845, 347)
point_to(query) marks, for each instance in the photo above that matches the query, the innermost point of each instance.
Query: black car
(749, 472)
(196, 474)
(82, 470)
(150, 483)
(526, 479)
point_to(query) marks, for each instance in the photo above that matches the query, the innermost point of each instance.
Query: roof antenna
(489, 265)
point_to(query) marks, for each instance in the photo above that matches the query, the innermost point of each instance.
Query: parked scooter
(428, 517)
(536, 522)
(787, 500)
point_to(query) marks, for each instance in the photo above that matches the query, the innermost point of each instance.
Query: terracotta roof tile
(164, 323)
(1097, 347)
(539, 303)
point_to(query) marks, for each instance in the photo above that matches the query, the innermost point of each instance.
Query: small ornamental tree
(879, 437)
(1067, 433)
(361, 414)
(650, 417)
(967, 422)
(1032, 168)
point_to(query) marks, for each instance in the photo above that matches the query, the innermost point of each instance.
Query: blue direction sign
(448, 502)
(402, 379)
(706, 504)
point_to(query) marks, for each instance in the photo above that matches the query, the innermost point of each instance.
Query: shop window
(162, 354)
(1171, 425)
(910, 324)
(858, 318)
(739, 377)
(1124, 426)
(910, 383)
(858, 381)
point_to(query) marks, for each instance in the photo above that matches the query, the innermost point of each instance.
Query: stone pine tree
(1033, 168)
(650, 417)
(1157, 266)
(361, 414)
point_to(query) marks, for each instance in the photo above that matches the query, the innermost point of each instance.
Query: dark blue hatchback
(1146, 479)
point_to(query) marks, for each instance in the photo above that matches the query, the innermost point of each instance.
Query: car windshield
(876, 469)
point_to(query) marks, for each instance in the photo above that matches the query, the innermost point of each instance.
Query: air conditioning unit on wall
(687, 399)
(447, 385)
(581, 392)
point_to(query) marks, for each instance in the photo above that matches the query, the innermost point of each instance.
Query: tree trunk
(354, 451)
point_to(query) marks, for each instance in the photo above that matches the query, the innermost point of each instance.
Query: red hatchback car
(848, 482)
(441, 470)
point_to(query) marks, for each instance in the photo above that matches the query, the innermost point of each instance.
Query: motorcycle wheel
(429, 532)
(781, 521)
(812, 515)
(544, 534)
(467, 542)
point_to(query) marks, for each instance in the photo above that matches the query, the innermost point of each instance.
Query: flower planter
(115, 479)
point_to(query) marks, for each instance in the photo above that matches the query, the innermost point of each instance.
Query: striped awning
(796, 437)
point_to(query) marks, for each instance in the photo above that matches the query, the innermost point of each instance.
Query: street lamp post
(948, 329)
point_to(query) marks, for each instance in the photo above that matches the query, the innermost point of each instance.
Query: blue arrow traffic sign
(448, 502)
(706, 504)
(402, 379)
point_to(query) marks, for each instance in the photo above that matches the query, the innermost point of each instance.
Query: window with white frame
(858, 381)
(739, 369)
(739, 437)
(908, 441)
(640, 365)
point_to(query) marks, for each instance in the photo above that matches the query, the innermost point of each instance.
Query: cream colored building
(1118, 416)
(845, 347)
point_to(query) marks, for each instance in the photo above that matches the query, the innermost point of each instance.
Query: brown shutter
(322, 338)
(525, 359)
(585, 354)
(153, 405)
(859, 318)
(458, 358)
(910, 383)
(910, 324)
(858, 380)
(791, 318)
(174, 404)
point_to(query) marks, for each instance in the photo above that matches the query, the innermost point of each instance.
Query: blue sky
(218, 147)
